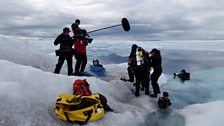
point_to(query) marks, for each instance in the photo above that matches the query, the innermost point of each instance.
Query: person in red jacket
(80, 46)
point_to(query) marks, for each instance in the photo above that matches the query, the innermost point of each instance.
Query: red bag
(81, 87)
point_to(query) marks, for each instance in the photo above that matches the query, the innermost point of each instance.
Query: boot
(146, 92)
(153, 95)
(77, 73)
(136, 93)
(142, 89)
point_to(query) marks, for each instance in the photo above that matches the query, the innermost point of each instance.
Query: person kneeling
(164, 101)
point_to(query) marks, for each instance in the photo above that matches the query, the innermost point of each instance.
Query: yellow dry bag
(79, 109)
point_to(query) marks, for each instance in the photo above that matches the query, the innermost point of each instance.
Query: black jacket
(156, 62)
(65, 41)
(132, 58)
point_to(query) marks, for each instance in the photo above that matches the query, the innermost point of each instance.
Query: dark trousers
(130, 73)
(145, 80)
(81, 61)
(142, 77)
(61, 60)
(154, 78)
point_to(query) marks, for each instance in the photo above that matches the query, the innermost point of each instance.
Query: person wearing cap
(65, 51)
(156, 64)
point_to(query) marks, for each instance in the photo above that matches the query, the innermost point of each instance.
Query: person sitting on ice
(97, 63)
(164, 101)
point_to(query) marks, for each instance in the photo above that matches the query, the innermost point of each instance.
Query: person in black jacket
(156, 64)
(132, 62)
(75, 28)
(65, 51)
(140, 68)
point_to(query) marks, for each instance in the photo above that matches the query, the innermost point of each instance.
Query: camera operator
(81, 39)
(65, 51)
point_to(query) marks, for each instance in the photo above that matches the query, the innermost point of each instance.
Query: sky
(29, 88)
(149, 20)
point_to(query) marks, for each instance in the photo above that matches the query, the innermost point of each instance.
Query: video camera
(82, 34)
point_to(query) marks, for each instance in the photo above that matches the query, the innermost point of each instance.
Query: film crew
(156, 64)
(65, 52)
(81, 41)
(75, 28)
(141, 71)
(131, 64)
